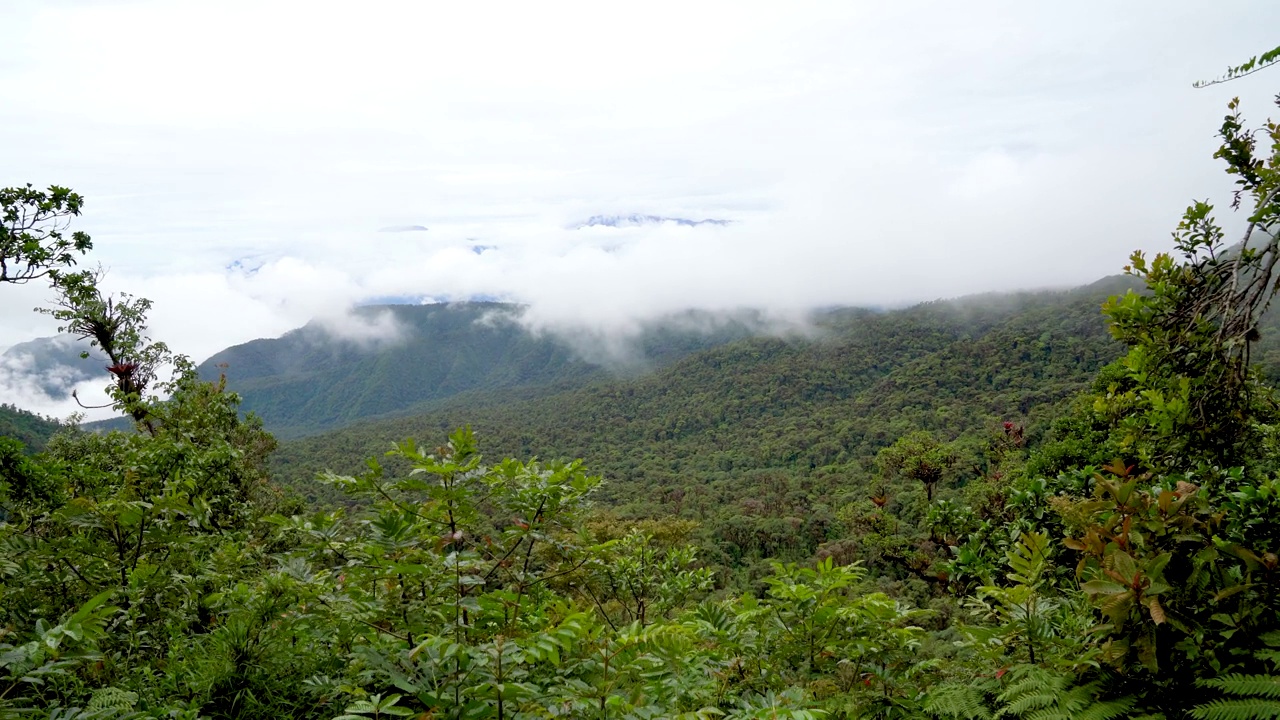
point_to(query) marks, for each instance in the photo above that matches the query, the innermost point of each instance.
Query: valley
(615, 389)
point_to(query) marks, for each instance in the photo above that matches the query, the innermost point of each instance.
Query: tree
(32, 223)
(117, 325)
(1189, 395)
(919, 456)
(33, 245)
(1177, 551)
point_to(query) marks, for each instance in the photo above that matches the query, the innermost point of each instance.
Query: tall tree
(118, 326)
(919, 456)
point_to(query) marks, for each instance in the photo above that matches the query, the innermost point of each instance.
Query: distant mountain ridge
(807, 410)
(28, 428)
(313, 379)
(637, 219)
(52, 364)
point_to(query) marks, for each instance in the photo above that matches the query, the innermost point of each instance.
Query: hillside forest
(1003, 507)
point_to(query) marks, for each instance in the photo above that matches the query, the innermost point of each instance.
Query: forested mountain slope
(693, 435)
(313, 379)
(30, 429)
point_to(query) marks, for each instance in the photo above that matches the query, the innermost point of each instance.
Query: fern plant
(1031, 693)
(1038, 694)
(1247, 696)
(959, 701)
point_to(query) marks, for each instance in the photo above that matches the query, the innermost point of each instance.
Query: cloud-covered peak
(245, 265)
(403, 228)
(42, 374)
(638, 220)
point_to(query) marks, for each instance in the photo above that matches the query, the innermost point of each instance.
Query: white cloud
(50, 392)
(364, 328)
(866, 153)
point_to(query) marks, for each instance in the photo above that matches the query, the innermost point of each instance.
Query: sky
(250, 165)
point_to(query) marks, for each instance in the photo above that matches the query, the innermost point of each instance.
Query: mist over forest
(621, 362)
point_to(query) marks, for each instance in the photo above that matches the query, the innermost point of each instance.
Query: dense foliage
(28, 428)
(786, 408)
(1121, 561)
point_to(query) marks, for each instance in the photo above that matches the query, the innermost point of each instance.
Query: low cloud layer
(365, 328)
(42, 375)
(859, 154)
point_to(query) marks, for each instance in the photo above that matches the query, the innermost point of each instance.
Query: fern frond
(110, 698)
(1250, 709)
(1118, 708)
(1032, 688)
(1248, 696)
(1093, 709)
(1039, 694)
(953, 700)
(1028, 701)
(1266, 686)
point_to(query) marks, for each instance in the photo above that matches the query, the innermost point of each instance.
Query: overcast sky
(240, 158)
